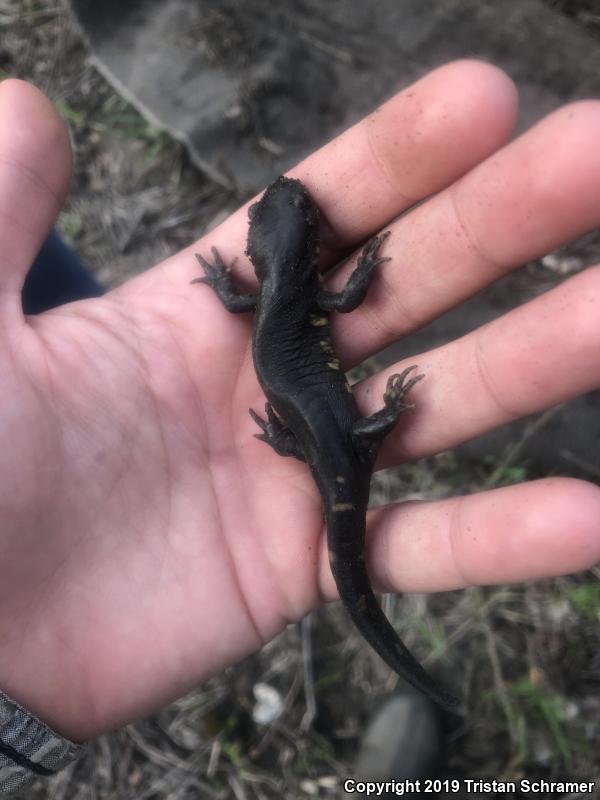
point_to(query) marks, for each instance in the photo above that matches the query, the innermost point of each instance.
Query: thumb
(35, 165)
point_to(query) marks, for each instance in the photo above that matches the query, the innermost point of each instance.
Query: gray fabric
(253, 87)
(28, 747)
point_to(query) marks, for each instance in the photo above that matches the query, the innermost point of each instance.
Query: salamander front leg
(276, 434)
(369, 432)
(356, 289)
(218, 277)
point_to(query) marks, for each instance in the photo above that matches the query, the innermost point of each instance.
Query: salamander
(310, 412)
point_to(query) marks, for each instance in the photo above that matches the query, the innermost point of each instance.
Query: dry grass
(585, 12)
(526, 657)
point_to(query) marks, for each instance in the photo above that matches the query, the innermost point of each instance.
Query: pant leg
(57, 277)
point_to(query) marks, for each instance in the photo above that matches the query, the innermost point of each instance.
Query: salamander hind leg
(276, 434)
(397, 388)
(369, 432)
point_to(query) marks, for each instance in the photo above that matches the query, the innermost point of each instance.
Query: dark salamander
(311, 413)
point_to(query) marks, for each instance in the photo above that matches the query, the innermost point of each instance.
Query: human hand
(148, 539)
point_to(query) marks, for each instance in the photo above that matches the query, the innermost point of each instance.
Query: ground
(530, 651)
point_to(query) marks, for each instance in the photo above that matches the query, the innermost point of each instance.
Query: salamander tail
(357, 596)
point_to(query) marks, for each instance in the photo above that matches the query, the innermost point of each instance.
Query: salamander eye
(300, 200)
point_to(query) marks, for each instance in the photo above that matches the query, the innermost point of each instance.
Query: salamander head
(283, 237)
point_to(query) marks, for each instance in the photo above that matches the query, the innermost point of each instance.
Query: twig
(514, 450)
(505, 701)
(308, 672)
(581, 463)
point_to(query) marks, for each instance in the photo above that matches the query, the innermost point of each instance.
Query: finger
(517, 533)
(34, 176)
(535, 194)
(536, 356)
(409, 148)
(412, 146)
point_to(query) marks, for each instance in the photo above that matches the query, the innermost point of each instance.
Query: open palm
(148, 539)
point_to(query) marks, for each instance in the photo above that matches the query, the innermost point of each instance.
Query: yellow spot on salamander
(326, 346)
(361, 603)
(317, 320)
(343, 507)
(340, 479)
(333, 364)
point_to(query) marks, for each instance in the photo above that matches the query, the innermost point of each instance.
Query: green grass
(124, 120)
(71, 225)
(540, 706)
(71, 115)
(586, 599)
